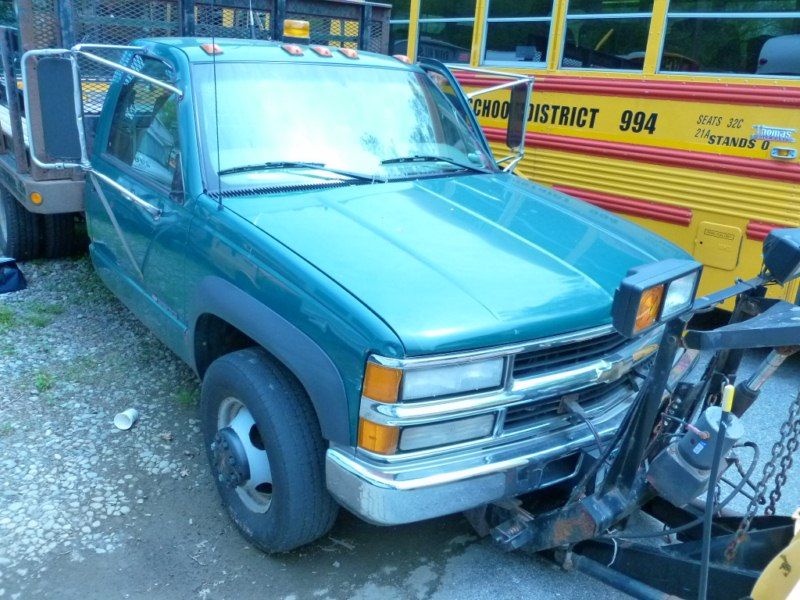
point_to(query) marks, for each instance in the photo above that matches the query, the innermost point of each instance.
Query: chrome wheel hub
(239, 456)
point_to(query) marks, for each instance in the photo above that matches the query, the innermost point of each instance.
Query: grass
(41, 314)
(187, 397)
(52, 308)
(7, 318)
(44, 381)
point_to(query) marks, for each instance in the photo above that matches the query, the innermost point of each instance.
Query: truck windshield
(355, 121)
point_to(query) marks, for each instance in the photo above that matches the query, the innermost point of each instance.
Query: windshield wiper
(283, 164)
(426, 159)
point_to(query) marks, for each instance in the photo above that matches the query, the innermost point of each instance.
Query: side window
(606, 34)
(144, 129)
(730, 36)
(517, 31)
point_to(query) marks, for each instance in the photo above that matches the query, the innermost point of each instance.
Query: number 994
(638, 121)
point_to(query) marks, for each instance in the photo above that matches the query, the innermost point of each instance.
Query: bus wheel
(59, 237)
(266, 451)
(19, 229)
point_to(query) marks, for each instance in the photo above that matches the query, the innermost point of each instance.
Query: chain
(782, 452)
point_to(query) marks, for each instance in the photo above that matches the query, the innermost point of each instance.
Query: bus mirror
(53, 107)
(515, 135)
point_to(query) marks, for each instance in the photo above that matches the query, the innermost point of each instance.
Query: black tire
(300, 509)
(59, 238)
(19, 229)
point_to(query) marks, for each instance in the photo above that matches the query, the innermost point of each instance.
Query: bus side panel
(694, 163)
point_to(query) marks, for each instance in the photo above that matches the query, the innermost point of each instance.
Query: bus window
(606, 34)
(398, 27)
(517, 31)
(445, 29)
(753, 37)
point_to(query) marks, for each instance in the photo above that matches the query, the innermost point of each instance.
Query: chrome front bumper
(515, 459)
(405, 493)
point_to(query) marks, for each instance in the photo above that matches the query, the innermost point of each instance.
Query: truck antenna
(216, 100)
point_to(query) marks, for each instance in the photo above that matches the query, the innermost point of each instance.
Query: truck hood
(463, 262)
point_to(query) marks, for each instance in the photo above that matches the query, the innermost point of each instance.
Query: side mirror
(782, 254)
(54, 109)
(517, 116)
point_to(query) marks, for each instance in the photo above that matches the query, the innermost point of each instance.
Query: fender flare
(293, 348)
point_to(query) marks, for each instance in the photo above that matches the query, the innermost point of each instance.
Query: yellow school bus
(681, 115)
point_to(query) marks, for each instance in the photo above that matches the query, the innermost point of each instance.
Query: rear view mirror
(782, 254)
(517, 116)
(54, 109)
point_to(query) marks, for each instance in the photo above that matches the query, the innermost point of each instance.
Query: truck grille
(597, 398)
(542, 360)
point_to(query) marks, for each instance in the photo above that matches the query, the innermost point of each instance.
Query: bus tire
(58, 235)
(19, 229)
(266, 451)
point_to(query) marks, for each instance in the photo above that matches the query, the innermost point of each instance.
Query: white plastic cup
(126, 418)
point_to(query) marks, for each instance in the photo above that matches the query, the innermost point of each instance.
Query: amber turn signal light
(381, 439)
(649, 307)
(382, 383)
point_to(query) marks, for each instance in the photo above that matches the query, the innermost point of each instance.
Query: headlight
(680, 295)
(453, 379)
(448, 432)
(387, 384)
(390, 384)
(654, 293)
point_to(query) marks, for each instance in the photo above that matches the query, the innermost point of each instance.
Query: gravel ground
(87, 510)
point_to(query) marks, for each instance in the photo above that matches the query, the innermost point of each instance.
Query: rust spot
(574, 529)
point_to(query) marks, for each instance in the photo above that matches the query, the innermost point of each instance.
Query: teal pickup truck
(382, 318)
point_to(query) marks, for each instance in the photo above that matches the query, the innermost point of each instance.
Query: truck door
(142, 243)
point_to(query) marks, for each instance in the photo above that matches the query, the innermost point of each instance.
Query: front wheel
(266, 451)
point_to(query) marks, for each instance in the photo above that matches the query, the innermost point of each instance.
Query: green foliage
(41, 314)
(187, 397)
(44, 381)
(7, 318)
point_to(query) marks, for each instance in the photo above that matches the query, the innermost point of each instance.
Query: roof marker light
(211, 49)
(349, 52)
(295, 28)
(292, 49)
(402, 58)
(322, 51)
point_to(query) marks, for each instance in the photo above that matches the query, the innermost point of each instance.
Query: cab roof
(238, 50)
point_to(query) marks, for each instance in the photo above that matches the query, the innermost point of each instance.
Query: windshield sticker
(773, 134)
